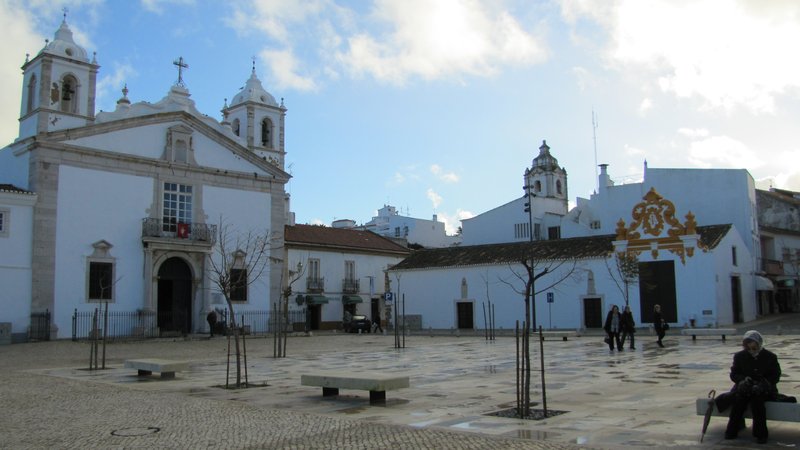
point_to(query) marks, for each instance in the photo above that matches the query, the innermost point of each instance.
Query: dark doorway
(657, 287)
(465, 315)
(592, 313)
(314, 316)
(376, 310)
(174, 297)
(736, 299)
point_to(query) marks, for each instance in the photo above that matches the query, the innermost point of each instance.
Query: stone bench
(694, 332)
(377, 384)
(165, 367)
(780, 411)
(563, 334)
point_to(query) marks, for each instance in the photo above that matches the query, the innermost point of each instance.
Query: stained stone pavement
(629, 399)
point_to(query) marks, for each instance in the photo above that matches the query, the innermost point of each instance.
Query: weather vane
(181, 65)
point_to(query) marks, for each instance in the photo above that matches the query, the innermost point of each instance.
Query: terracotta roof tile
(339, 238)
(12, 188)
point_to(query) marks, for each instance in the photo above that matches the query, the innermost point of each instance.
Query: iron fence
(40, 326)
(150, 324)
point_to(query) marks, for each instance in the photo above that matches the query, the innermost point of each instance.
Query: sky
(438, 106)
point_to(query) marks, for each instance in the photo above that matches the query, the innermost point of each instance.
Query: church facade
(126, 204)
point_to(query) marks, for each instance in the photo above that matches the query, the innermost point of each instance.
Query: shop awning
(764, 284)
(347, 299)
(316, 299)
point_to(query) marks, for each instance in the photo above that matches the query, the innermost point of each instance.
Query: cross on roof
(181, 65)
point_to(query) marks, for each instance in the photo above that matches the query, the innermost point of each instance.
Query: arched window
(558, 186)
(69, 94)
(537, 186)
(31, 94)
(235, 126)
(266, 133)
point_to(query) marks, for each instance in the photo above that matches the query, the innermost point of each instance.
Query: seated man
(755, 371)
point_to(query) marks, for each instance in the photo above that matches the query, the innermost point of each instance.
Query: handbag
(665, 327)
(607, 340)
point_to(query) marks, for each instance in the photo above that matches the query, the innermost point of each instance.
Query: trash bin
(5, 333)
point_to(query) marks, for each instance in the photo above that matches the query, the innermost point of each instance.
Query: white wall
(15, 261)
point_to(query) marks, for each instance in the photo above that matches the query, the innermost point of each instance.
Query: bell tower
(59, 86)
(258, 120)
(548, 181)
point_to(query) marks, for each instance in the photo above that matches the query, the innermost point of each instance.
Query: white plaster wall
(15, 264)
(242, 212)
(95, 205)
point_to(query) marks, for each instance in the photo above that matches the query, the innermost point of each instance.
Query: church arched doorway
(174, 297)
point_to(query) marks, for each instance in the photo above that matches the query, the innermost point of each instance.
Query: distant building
(422, 232)
(779, 228)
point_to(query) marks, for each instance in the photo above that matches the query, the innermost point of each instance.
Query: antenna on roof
(594, 139)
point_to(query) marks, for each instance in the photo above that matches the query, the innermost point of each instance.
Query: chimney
(604, 180)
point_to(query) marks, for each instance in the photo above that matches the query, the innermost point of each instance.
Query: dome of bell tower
(253, 91)
(64, 45)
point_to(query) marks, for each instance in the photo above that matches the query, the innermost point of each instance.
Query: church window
(733, 256)
(100, 272)
(558, 186)
(238, 285)
(553, 233)
(595, 225)
(537, 231)
(235, 126)
(69, 94)
(537, 186)
(5, 216)
(177, 208)
(266, 133)
(521, 230)
(31, 94)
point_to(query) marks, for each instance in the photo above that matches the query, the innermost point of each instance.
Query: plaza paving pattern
(629, 399)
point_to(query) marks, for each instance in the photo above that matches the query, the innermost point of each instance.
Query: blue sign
(388, 296)
(550, 297)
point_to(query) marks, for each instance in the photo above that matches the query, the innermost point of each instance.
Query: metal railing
(40, 326)
(350, 286)
(150, 324)
(200, 232)
(315, 284)
(771, 266)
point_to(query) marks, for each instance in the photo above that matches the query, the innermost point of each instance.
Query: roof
(341, 239)
(550, 250)
(12, 188)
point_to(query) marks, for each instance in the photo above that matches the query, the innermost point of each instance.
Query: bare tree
(533, 271)
(625, 272)
(239, 260)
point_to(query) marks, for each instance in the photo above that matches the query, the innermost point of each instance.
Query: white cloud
(435, 198)
(725, 53)
(437, 39)
(14, 21)
(448, 177)
(722, 152)
(645, 106)
(693, 133)
(284, 67)
(453, 221)
(157, 6)
(109, 86)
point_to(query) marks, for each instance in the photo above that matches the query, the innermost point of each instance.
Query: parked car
(356, 323)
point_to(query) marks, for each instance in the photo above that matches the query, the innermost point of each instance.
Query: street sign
(550, 297)
(388, 296)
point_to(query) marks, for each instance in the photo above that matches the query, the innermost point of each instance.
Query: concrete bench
(165, 367)
(377, 384)
(780, 411)
(563, 334)
(694, 332)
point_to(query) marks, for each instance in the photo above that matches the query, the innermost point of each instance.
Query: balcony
(350, 286)
(201, 233)
(772, 266)
(315, 284)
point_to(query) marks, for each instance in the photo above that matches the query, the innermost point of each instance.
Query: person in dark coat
(613, 327)
(211, 318)
(659, 325)
(756, 372)
(628, 326)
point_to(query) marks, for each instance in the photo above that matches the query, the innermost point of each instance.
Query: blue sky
(438, 106)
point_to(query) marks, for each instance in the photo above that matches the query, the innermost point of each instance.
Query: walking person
(756, 372)
(211, 318)
(628, 326)
(659, 324)
(613, 327)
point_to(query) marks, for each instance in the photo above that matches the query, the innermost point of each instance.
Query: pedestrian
(211, 318)
(660, 325)
(628, 326)
(613, 327)
(756, 372)
(376, 325)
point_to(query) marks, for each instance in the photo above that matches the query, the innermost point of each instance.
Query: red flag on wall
(183, 230)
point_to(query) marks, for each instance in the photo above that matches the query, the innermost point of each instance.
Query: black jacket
(764, 366)
(609, 317)
(628, 325)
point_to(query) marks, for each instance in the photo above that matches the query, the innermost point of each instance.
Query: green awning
(347, 299)
(316, 299)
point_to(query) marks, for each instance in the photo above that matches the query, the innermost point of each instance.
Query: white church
(692, 233)
(122, 207)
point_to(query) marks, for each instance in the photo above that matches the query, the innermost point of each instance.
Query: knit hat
(754, 336)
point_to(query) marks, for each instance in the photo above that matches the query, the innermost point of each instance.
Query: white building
(337, 270)
(126, 202)
(779, 227)
(423, 232)
(693, 231)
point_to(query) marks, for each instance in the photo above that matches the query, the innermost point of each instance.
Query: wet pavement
(629, 399)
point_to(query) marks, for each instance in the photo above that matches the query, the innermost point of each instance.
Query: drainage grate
(536, 414)
(135, 431)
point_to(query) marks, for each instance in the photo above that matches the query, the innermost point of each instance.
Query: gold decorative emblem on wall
(652, 217)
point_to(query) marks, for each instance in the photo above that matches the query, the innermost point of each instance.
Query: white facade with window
(128, 201)
(16, 251)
